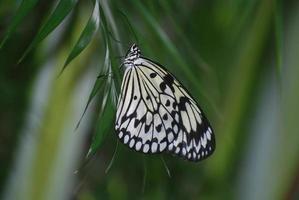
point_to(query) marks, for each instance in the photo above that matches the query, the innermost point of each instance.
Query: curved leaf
(86, 35)
(25, 7)
(98, 85)
(104, 124)
(63, 8)
(131, 29)
(112, 66)
(172, 49)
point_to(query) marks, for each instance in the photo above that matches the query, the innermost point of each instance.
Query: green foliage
(86, 35)
(237, 58)
(63, 8)
(23, 10)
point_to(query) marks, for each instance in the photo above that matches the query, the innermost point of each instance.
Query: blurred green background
(238, 58)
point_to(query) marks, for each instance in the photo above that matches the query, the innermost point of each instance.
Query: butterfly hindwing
(156, 114)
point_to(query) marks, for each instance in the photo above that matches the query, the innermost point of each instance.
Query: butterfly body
(155, 113)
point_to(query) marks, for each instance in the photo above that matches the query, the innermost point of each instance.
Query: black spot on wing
(182, 103)
(136, 123)
(174, 104)
(165, 116)
(159, 127)
(162, 86)
(167, 103)
(169, 80)
(147, 127)
(153, 75)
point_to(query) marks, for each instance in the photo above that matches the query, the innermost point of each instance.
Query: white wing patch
(156, 114)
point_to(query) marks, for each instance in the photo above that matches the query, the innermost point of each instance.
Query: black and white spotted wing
(156, 114)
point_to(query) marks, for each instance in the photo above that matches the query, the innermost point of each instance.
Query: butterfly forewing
(156, 114)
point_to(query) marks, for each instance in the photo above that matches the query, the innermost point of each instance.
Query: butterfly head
(132, 54)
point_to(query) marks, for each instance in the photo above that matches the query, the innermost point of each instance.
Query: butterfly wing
(139, 115)
(156, 113)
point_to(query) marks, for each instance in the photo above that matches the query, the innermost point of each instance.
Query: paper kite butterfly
(155, 113)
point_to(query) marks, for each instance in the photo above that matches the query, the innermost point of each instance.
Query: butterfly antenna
(166, 167)
(112, 159)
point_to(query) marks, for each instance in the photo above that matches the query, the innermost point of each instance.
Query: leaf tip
(88, 153)
(3, 42)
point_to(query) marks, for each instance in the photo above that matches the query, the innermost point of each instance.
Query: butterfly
(156, 114)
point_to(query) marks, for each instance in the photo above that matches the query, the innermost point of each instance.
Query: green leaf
(112, 66)
(25, 7)
(63, 8)
(86, 35)
(131, 29)
(104, 124)
(116, 76)
(98, 85)
(107, 112)
(184, 68)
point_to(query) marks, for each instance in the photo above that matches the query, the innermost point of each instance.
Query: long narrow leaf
(113, 66)
(131, 29)
(98, 85)
(104, 125)
(63, 8)
(174, 52)
(86, 35)
(104, 121)
(25, 7)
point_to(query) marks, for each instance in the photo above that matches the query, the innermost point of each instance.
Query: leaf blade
(23, 10)
(98, 85)
(63, 8)
(104, 125)
(86, 36)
